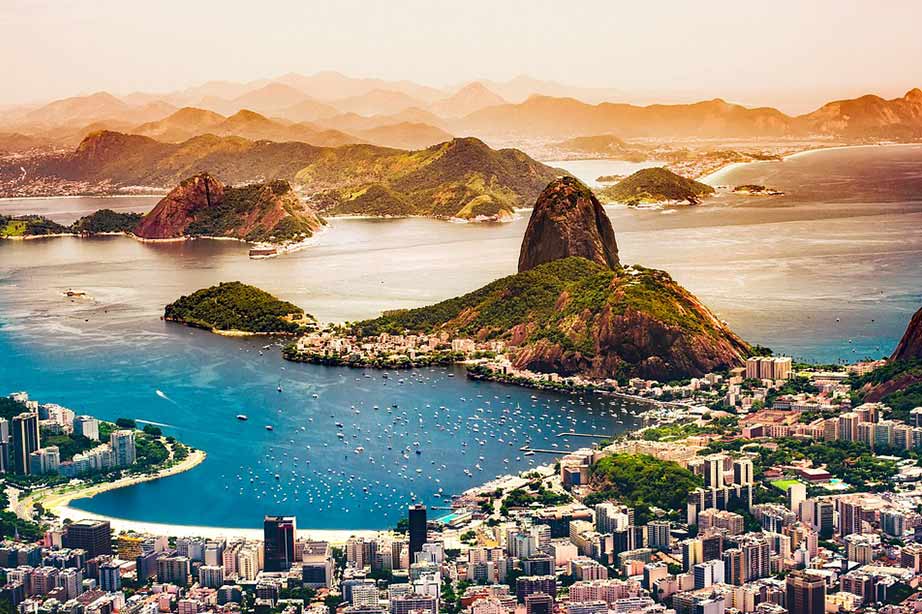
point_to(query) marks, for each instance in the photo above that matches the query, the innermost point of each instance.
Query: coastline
(56, 500)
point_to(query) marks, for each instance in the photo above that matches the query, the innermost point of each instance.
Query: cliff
(568, 220)
(910, 346)
(202, 206)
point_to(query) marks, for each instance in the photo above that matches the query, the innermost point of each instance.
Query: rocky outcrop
(203, 206)
(568, 220)
(910, 346)
(576, 317)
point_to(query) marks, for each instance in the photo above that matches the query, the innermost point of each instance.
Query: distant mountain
(181, 125)
(83, 110)
(269, 98)
(377, 102)
(330, 85)
(309, 110)
(472, 97)
(459, 178)
(189, 122)
(542, 116)
(203, 206)
(405, 136)
(354, 123)
(868, 116)
(462, 178)
(523, 87)
(568, 220)
(654, 185)
(14, 142)
(117, 160)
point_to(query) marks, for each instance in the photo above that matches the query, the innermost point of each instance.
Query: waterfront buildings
(279, 539)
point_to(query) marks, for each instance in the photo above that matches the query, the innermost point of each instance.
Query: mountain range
(520, 108)
(461, 178)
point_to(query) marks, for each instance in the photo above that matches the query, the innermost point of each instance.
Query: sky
(790, 54)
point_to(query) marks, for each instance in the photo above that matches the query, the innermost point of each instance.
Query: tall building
(279, 542)
(658, 534)
(94, 536)
(26, 440)
(743, 471)
(539, 603)
(87, 426)
(173, 570)
(805, 593)
(418, 531)
(110, 577)
(123, 447)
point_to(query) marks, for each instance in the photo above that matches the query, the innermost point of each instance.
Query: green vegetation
(671, 432)
(653, 185)
(256, 201)
(531, 494)
(234, 306)
(851, 461)
(29, 226)
(896, 383)
(11, 524)
(106, 220)
(462, 178)
(102, 221)
(564, 302)
(641, 481)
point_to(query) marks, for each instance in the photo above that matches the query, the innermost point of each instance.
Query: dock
(590, 435)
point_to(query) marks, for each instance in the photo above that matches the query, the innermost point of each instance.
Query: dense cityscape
(762, 489)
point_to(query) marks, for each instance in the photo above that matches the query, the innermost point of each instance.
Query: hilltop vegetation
(106, 220)
(462, 178)
(235, 306)
(21, 226)
(655, 185)
(574, 316)
(202, 206)
(641, 481)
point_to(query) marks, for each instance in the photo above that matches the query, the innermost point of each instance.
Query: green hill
(573, 316)
(234, 306)
(459, 178)
(654, 185)
(106, 220)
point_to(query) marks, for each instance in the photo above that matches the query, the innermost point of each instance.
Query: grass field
(783, 485)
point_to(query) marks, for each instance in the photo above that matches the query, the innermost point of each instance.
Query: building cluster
(389, 348)
(22, 453)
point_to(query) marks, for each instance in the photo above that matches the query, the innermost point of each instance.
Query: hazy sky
(791, 54)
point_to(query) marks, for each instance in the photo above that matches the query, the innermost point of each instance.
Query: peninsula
(234, 308)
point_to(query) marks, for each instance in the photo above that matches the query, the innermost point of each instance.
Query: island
(203, 206)
(103, 221)
(656, 186)
(236, 309)
(752, 189)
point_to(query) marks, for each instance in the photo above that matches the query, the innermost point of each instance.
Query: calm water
(829, 271)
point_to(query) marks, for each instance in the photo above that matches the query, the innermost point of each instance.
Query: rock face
(202, 206)
(172, 215)
(910, 346)
(568, 220)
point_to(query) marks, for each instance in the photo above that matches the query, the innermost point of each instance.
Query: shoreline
(712, 176)
(57, 499)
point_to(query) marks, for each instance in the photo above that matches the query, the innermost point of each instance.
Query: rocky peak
(914, 95)
(178, 209)
(568, 220)
(910, 346)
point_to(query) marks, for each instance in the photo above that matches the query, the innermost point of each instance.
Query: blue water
(828, 272)
(195, 384)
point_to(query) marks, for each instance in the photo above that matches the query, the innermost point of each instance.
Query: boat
(242, 417)
(268, 427)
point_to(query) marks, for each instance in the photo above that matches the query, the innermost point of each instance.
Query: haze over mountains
(330, 109)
